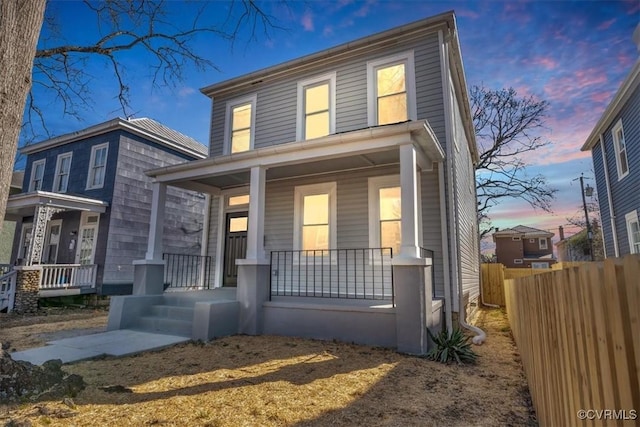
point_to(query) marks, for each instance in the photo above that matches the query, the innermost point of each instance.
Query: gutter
(612, 214)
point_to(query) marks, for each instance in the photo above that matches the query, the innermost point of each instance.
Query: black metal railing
(187, 271)
(333, 273)
(428, 254)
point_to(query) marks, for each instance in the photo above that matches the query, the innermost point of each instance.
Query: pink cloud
(543, 61)
(364, 10)
(634, 7)
(327, 30)
(307, 21)
(600, 97)
(606, 24)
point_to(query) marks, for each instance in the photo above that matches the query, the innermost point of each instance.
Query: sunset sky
(573, 54)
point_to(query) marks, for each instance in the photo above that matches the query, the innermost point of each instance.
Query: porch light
(588, 191)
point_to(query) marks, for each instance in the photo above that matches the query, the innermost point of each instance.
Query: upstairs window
(542, 243)
(391, 90)
(97, 166)
(63, 168)
(316, 107)
(37, 175)
(621, 150)
(240, 128)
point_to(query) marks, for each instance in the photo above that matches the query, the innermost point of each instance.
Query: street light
(588, 191)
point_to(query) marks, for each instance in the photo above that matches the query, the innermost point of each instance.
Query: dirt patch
(275, 381)
(21, 332)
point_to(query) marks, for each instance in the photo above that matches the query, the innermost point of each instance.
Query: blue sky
(574, 54)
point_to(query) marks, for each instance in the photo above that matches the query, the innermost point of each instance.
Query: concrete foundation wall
(360, 325)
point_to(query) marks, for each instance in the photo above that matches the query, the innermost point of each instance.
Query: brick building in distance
(524, 247)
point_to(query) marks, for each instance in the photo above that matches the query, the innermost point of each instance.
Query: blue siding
(625, 193)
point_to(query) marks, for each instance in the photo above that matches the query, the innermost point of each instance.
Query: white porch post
(409, 202)
(156, 222)
(255, 230)
(148, 273)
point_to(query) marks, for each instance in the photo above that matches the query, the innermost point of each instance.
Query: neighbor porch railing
(183, 272)
(8, 290)
(5, 268)
(334, 273)
(62, 276)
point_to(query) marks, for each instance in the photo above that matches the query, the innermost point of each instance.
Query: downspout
(454, 225)
(445, 250)
(612, 214)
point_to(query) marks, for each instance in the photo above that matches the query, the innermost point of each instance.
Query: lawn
(280, 381)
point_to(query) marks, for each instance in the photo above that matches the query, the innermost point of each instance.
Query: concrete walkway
(122, 342)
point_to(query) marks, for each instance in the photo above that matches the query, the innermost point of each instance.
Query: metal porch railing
(333, 273)
(184, 272)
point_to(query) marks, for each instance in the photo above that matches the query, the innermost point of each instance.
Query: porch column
(148, 274)
(409, 202)
(255, 229)
(41, 218)
(254, 271)
(156, 222)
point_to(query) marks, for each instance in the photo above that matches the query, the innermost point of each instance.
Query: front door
(87, 238)
(52, 241)
(235, 245)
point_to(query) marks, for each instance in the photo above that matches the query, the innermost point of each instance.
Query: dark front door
(235, 245)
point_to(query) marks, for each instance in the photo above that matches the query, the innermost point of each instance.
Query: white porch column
(409, 202)
(255, 229)
(156, 222)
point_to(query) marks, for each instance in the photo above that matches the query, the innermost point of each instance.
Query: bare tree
(60, 66)
(507, 129)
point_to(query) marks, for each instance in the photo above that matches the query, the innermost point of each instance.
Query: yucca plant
(450, 348)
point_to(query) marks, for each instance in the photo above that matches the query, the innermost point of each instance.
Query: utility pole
(586, 215)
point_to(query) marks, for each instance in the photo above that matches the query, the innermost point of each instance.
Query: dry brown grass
(281, 381)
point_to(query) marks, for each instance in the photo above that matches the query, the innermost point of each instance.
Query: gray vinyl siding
(625, 193)
(130, 211)
(276, 104)
(431, 235)
(465, 199)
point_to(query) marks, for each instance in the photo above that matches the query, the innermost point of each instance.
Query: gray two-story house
(614, 143)
(83, 213)
(342, 196)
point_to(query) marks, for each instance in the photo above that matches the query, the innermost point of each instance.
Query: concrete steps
(174, 313)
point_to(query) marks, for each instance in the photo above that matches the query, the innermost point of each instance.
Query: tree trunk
(20, 24)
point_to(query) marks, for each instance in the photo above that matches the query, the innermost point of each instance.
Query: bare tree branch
(60, 67)
(506, 127)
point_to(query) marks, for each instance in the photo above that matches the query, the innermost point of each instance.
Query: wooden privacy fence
(578, 333)
(493, 277)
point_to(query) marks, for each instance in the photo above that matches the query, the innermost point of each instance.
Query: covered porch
(56, 241)
(280, 282)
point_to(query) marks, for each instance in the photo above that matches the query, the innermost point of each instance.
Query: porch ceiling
(358, 149)
(21, 205)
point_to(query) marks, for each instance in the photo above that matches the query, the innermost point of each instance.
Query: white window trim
(27, 228)
(34, 165)
(517, 261)
(56, 179)
(614, 132)
(84, 217)
(300, 192)
(410, 82)
(45, 248)
(628, 219)
(375, 184)
(91, 164)
(329, 78)
(251, 99)
(542, 240)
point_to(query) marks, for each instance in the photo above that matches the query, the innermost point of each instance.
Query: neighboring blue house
(83, 213)
(615, 148)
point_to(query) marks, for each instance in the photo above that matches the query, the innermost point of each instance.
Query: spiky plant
(450, 348)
